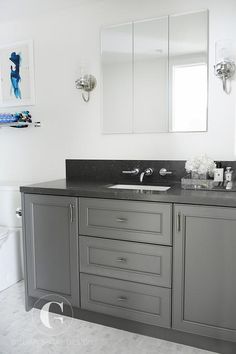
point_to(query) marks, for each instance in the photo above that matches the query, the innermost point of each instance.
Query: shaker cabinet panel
(204, 271)
(52, 246)
(126, 220)
(137, 302)
(150, 264)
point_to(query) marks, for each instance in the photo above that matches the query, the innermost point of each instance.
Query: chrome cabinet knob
(18, 212)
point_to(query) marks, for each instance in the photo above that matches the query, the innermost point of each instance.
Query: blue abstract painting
(15, 74)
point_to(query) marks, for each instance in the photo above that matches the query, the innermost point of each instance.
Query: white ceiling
(13, 10)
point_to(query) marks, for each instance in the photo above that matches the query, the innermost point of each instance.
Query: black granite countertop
(100, 190)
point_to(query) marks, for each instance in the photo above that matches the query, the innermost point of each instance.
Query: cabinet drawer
(137, 302)
(146, 222)
(132, 261)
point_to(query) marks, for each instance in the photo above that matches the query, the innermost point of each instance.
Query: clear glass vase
(196, 175)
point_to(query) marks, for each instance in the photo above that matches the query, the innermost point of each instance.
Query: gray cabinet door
(204, 286)
(52, 246)
(138, 262)
(137, 302)
(147, 222)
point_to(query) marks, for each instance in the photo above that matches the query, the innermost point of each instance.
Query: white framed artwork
(17, 74)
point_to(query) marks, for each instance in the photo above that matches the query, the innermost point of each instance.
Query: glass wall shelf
(20, 125)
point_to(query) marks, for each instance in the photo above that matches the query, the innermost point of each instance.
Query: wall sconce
(86, 83)
(225, 65)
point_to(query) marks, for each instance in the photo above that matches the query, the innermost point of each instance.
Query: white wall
(71, 128)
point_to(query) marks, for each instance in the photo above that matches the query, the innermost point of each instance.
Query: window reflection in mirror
(188, 72)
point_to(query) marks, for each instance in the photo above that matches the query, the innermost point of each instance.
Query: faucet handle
(164, 172)
(133, 172)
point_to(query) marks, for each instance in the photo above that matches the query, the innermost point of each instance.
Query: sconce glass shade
(224, 51)
(225, 57)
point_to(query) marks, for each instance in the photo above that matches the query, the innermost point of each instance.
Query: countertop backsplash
(111, 170)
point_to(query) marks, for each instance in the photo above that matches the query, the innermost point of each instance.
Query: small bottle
(219, 173)
(228, 178)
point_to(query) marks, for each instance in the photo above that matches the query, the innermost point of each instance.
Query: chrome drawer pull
(121, 219)
(122, 298)
(121, 259)
(71, 206)
(178, 222)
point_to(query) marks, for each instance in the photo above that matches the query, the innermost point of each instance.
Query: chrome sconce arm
(86, 83)
(224, 70)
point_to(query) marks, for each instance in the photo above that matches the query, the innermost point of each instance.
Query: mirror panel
(151, 76)
(117, 78)
(188, 71)
(155, 75)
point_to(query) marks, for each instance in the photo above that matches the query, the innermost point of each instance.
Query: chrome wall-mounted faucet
(147, 172)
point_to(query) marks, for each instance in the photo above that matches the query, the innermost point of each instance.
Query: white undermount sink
(140, 187)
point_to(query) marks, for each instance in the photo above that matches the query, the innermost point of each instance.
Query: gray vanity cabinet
(204, 278)
(51, 242)
(118, 260)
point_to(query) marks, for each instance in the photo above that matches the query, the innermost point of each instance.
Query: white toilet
(11, 260)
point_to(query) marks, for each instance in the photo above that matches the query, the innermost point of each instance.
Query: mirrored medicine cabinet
(155, 75)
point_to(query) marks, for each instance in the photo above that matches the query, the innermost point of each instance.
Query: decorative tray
(204, 184)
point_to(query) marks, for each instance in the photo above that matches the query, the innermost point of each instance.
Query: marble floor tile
(20, 334)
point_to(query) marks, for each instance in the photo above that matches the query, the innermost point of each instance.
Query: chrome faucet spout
(147, 172)
(141, 176)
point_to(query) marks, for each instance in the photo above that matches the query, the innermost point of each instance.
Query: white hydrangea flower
(201, 164)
